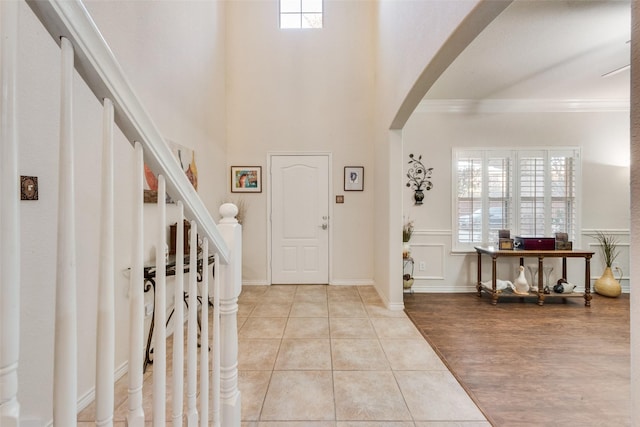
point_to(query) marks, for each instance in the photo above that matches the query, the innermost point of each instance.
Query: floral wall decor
(419, 178)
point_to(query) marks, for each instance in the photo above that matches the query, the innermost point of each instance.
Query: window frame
(513, 202)
(300, 14)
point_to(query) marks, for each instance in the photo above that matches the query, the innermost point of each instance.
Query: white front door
(300, 219)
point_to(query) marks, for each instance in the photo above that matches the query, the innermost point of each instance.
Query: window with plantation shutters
(530, 192)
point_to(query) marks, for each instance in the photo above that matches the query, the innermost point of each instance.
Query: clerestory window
(300, 13)
(531, 192)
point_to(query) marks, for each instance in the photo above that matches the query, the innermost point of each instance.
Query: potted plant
(607, 284)
(407, 231)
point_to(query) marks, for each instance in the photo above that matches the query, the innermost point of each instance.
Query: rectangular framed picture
(246, 179)
(353, 178)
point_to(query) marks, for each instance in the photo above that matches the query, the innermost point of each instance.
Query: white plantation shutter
(469, 184)
(529, 192)
(484, 192)
(563, 193)
(500, 192)
(532, 195)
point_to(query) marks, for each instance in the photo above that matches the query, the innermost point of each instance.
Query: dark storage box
(535, 243)
(564, 246)
(505, 244)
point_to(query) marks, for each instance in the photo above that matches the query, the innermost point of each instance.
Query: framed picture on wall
(186, 157)
(353, 178)
(246, 179)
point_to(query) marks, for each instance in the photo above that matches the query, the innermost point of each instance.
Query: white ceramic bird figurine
(563, 287)
(501, 285)
(520, 284)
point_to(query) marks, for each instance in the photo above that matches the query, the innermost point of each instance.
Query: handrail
(97, 65)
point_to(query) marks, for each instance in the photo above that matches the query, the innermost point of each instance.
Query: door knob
(324, 226)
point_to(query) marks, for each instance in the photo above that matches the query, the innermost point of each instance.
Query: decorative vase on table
(547, 275)
(607, 285)
(533, 272)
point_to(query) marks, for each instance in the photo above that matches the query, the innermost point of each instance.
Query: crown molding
(486, 106)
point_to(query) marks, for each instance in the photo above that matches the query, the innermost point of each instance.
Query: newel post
(231, 285)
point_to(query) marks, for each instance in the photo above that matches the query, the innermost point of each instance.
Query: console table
(495, 253)
(150, 283)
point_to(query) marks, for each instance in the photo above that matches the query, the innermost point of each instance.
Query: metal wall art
(419, 178)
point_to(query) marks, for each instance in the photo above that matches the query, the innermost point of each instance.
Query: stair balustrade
(84, 51)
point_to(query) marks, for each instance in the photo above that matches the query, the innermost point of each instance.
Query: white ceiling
(545, 49)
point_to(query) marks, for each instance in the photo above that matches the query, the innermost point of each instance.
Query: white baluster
(178, 330)
(192, 330)
(216, 343)
(160, 307)
(105, 345)
(65, 343)
(231, 279)
(9, 220)
(204, 337)
(135, 416)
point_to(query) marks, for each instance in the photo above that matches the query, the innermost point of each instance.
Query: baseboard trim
(337, 282)
(255, 283)
(352, 282)
(90, 396)
(442, 289)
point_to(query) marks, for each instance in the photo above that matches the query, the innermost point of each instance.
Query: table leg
(564, 268)
(540, 281)
(478, 285)
(587, 281)
(494, 292)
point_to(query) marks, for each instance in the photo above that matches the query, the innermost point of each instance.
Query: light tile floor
(334, 356)
(329, 356)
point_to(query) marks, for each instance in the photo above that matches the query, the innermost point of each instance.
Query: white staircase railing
(83, 50)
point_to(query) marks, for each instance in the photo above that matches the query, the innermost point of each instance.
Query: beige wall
(173, 55)
(304, 91)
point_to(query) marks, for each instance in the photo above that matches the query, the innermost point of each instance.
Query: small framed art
(353, 178)
(246, 179)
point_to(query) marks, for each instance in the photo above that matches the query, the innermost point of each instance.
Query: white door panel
(299, 209)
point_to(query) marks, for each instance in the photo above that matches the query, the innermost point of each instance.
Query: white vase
(533, 272)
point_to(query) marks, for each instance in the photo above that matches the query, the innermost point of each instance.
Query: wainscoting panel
(431, 256)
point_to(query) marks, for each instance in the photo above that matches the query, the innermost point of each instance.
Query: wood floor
(562, 364)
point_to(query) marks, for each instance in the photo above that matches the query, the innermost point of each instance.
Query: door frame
(268, 192)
